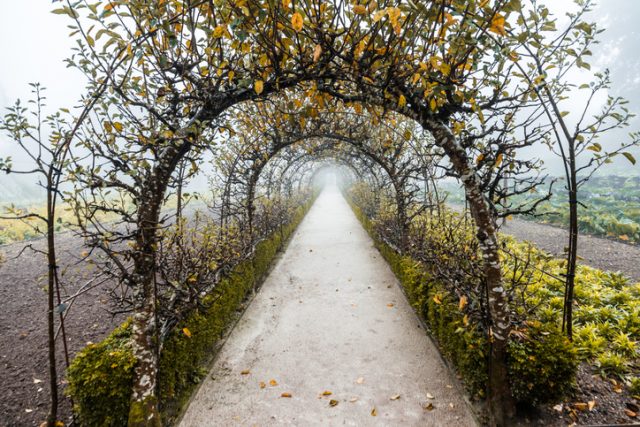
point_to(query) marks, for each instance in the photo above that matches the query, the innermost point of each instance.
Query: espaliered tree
(446, 64)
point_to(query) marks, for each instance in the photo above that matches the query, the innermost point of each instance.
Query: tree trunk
(143, 411)
(52, 417)
(572, 253)
(501, 402)
(401, 214)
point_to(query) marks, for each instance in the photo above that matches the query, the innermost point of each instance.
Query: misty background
(34, 43)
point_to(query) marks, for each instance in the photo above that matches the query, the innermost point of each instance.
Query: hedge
(101, 375)
(542, 362)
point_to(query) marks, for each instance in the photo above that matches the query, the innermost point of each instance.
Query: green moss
(100, 380)
(101, 376)
(139, 413)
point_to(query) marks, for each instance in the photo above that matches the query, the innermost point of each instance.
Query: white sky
(35, 42)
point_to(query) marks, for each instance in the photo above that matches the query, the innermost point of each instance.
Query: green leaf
(630, 157)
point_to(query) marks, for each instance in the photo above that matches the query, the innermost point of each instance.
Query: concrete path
(329, 340)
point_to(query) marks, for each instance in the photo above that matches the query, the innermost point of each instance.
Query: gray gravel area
(597, 252)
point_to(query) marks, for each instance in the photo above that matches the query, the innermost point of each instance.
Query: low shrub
(100, 380)
(542, 364)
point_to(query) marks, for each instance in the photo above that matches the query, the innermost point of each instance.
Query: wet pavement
(329, 340)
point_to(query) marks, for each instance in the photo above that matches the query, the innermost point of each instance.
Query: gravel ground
(597, 252)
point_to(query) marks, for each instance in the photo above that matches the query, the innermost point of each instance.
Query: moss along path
(329, 340)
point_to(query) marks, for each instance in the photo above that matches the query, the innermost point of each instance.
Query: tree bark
(52, 417)
(572, 254)
(501, 402)
(143, 411)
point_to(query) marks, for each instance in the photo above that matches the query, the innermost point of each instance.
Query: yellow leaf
(118, 126)
(465, 320)
(499, 160)
(437, 299)
(623, 237)
(262, 384)
(379, 15)
(359, 9)
(333, 402)
(317, 51)
(245, 372)
(219, 31)
(374, 412)
(463, 302)
(297, 22)
(402, 101)
(286, 3)
(395, 397)
(479, 159)
(187, 332)
(497, 25)
(327, 393)
(107, 126)
(433, 104)
(109, 7)
(273, 383)
(285, 395)
(258, 86)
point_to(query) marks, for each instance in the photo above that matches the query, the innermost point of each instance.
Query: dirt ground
(23, 341)
(23, 337)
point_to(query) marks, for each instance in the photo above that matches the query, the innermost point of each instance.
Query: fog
(35, 42)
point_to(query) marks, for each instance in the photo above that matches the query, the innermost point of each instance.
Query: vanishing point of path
(329, 318)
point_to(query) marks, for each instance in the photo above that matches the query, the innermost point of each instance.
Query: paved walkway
(329, 340)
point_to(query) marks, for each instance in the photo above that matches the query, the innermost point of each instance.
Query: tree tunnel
(399, 94)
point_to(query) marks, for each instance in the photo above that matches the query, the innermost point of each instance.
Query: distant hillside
(20, 190)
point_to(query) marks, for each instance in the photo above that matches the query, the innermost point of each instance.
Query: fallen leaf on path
(451, 405)
(273, 383)
(630, 413)
(581, 406)
(36, 381)
(187, 332)
(245, 372)
(428, 406)
(333, 402)
(262, 384)
(327, 393)
(390, 305)
(395, 397)
(360, 380)
(353, 399)
(558, 407)
(285, 395)
(592, 404)
(374, 412)
(430, 396)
